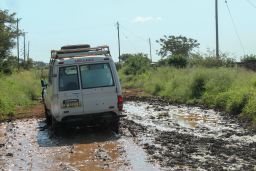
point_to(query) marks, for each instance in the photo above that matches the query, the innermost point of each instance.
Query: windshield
(96, 75)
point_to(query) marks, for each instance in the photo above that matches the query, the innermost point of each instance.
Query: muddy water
(195, 120)
(2, 143)
(191, 138)
(30, 145)
(154, 136)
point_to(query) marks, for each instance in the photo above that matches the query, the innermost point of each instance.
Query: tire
(48, 118)
(55, 126)
(115, 126)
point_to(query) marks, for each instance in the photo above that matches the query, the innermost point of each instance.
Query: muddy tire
(55, 125)
(115, 126)
(48, 118)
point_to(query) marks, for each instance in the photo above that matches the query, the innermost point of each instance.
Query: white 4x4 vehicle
(83, 85)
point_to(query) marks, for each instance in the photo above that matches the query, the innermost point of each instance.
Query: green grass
(230, 89)
(21, 89)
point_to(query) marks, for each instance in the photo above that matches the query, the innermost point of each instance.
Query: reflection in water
(85, 148)
(192, 120)
(195, 120)
(34, 147)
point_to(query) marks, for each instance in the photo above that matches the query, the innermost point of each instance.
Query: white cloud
(144, 19)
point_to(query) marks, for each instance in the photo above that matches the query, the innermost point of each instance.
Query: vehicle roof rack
(75, 46)
(80, 52)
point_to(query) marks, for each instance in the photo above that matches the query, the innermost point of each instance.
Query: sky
(52, 24)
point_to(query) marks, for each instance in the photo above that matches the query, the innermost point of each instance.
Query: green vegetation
(18, 87)
(176, 45)
(247, 58)
(135, 64)
(8, 33)
(19, 90)
(230, 89)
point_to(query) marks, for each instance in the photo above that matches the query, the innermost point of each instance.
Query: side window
(68, 78)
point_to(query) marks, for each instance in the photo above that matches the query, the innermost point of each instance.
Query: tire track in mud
(201, 145)
(30, 145)
(175, 137)
(175, 150)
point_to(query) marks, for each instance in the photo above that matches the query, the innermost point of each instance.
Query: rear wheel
(47, 116)
(55, 125)
(115, 125)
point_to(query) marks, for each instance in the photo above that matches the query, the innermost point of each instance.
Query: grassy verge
(21, 89)
(229, 89)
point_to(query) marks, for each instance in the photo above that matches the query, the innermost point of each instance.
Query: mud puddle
(154, 136)
(190, 138)
(30, 145)
(193, 120)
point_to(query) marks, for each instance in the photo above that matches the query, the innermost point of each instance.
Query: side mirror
(43, 83)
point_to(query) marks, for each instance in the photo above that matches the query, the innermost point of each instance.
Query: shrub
(198, 86)
(250, 108)
(236, 102)
(19, 89)
(249, 58)
(179, 61)
(136, 64)
(232, 90)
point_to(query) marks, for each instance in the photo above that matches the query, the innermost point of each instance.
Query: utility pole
(119, 53)
(24, 45)
(28, 50)
(217, 29)
(18, 45)
(150, 52)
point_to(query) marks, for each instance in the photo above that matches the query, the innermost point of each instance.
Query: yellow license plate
(71, 103)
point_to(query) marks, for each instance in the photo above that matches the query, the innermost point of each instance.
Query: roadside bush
(248, 58)
(178, 61)
(229, 89)
(250, 108)
(198, 86)
(18, 90)
(136, 64)
(210, 61)
(236, 102)
(9, 65)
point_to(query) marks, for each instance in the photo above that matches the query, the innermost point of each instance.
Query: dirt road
(154, 136)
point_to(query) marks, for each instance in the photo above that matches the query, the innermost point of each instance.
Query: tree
(7, 34)
(136, 64)
(176, 45)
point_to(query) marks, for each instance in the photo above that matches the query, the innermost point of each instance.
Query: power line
(134, 34)
(251, 3)
(127, 38)
(235, 28)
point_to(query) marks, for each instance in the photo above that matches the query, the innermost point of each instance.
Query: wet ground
(154, 136)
